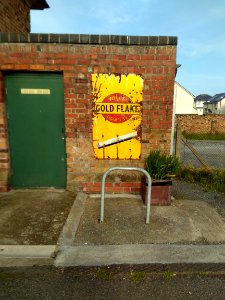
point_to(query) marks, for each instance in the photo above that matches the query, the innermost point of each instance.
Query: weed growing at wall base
(210, 180)
(104, 274)
(137, 276)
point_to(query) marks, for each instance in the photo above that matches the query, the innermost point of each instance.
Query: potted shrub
(161, 167)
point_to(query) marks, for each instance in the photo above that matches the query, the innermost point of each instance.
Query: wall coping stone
(87, 39)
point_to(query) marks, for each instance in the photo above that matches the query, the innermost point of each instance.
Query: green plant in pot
(161, 168)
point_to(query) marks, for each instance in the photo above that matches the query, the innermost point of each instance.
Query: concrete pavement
(185, 233)
(190, 233)
(26, 255)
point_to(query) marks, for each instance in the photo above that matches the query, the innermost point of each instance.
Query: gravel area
(189, 191)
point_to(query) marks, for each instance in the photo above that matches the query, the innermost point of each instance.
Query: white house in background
(215, 105)
(183, 100)
(199, 103)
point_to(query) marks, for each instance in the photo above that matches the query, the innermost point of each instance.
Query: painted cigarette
(117, 139)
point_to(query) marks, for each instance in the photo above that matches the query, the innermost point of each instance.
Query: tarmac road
(94, 283)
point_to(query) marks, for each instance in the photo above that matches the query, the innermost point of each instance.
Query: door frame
(31, 73)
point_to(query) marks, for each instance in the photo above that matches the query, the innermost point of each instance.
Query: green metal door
(35, 110)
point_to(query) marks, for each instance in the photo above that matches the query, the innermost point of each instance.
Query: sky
(198, 24)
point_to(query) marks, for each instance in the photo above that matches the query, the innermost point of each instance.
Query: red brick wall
(155, 63)
(14, 16)
(201, 124)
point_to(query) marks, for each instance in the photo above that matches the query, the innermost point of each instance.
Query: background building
(15, 14)
(183, 100)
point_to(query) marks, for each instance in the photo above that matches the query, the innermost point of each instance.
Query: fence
(206, 149)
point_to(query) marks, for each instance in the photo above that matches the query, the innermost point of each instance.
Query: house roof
(37, 4)
(217, 98)
(184, 88)
(202, 97)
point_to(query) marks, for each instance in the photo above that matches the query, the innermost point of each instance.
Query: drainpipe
(173, 121)
(174, 115)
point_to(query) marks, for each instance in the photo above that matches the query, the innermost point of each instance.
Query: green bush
(211, 180)
(161, 166)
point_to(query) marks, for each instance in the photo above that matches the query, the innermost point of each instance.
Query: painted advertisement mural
(117, 116)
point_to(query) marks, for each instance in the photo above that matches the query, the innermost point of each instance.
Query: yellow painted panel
(117, 116)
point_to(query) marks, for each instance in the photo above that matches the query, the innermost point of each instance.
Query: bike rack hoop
(126, 169)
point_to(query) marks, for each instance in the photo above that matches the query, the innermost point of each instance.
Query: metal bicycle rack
(126, 169)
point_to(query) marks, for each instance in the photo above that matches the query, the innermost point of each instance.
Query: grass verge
(204, 136)
(210, 180)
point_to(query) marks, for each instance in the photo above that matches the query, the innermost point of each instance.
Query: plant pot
(160, 193)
